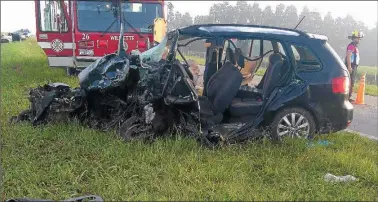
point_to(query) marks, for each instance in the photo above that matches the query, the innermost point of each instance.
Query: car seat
(221, 90)
(230, 58)
(243, 106)
(210, 69)
(223, 86)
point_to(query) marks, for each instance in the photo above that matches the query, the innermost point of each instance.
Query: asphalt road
(365, 117)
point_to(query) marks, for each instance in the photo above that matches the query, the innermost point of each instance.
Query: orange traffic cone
(360, 100)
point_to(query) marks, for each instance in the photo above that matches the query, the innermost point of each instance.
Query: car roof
(242, 30)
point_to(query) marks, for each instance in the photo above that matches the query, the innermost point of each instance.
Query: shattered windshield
(96, 16)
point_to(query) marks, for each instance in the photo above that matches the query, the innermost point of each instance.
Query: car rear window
(335, 55)
(305, 60)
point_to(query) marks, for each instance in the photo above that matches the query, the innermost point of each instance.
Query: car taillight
(102, 43)
(340, 85)
(86, 44)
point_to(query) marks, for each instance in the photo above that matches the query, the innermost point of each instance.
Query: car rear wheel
(293, 123)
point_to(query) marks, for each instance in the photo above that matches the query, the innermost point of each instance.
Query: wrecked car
(303, 91)
(143, 96)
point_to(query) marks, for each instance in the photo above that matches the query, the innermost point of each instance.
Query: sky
(20, 14)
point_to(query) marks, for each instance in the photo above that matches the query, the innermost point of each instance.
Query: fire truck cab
(74, 34)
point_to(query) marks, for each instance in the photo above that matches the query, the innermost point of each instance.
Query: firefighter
(352, 58)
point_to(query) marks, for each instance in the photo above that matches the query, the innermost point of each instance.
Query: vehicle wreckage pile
(141, 96)
(114, 95)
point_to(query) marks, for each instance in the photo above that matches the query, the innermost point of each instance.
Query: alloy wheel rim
(293, 125)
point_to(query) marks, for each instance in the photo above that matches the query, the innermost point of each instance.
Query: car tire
(303, 126)
(134, 129)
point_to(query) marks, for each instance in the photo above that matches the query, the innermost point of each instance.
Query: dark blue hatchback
(304, 89)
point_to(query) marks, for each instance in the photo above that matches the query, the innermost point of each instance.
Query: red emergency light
(102, 43)
(141, 44)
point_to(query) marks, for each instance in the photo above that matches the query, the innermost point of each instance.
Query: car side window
(244, 45)
(305, 60)
(296, 54)
(281, 49)
(256, 48)
(268, 46)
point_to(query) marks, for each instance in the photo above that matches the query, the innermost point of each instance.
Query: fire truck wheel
(71, 71)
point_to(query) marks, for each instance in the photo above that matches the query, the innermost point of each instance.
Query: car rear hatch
(341, 84)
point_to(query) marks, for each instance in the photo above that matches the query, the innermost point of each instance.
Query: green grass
(260, 72)
(67, 160)
(368, 70)
(369, 89)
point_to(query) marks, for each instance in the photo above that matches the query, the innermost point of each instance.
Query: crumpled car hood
(107, 72)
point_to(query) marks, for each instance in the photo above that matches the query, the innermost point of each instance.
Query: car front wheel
(293, 123)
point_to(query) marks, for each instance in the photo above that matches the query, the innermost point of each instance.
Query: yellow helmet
(356, 34)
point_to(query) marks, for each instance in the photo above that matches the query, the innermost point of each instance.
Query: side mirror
(159, 29)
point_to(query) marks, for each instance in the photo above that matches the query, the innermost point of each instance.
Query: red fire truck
(74, 34)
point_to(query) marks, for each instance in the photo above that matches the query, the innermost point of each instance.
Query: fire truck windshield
(94, 16)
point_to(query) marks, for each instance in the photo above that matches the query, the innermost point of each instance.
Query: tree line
(336, 29)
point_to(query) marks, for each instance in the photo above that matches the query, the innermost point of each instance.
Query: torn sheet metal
(107, 72)
(154, 54)
(49, 99)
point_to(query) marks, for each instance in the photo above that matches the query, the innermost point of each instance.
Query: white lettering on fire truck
(85, 36)
(116, 38)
